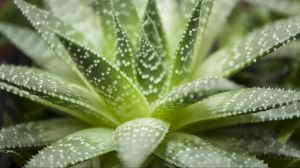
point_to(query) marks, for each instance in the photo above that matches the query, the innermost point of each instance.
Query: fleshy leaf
(150, 70)
(35, 48)
(185, 150)
(218, 18)
(49, 90)
(247, 51)
(283, 7)
(124, 50)
(74, 148)
(154, 29)
(84, 20)
(109, 82)
(137, 139)
(190, 93)
(92, 163)
(238, 102)
(183, 60)
(256, 140)
(36, 134)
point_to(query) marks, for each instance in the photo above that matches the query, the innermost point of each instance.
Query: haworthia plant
(134, 83)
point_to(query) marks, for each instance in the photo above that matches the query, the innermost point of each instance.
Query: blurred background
(281, 69)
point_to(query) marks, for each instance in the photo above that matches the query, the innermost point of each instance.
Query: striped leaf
(190, 93)
(253, 139)
(150, 70)
(238, 102)
(49, 90)
(84, 20)
(247, 51)
(186, 150)
(137, 139)
(36, 134)
(109, 82)
(74, 148)
(35, 48)
(183, 60)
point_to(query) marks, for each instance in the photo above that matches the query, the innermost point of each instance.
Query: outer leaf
(74, 148)
(219, 13)
(37, 133)
(137, 139)
(150, 69)
(92, 163)
(124, 50)
(190, 93)
(35, 48)
(284, 7)
(52, 91)
(84, 20)
(185, 150)
(233, 103)
(109, 82)
(183, 60)
(253, 139)
(256, 45)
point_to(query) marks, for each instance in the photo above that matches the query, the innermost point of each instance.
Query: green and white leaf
(150, 69)
(84, 20)
(286, 7)
(75, 148)
(247, 51)
(109, 82)
(190, 93)
(183, 59)
(35, 48)
(36, 134)
(256, 140)
(137, 139)
(124, 50)
(50, 90)
(186, 150)
(235, 103)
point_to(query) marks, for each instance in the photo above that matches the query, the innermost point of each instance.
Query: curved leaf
(38, 133)
(235, 103)
(74, 148)
(190, 93)
(84, 20)
(185, 150)
(109, 82)
(183, 61)
(256, 45)
(137, 139)
(256, 140)
(49, 90)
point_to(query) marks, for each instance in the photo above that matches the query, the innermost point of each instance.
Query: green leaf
(186, 150)
(50, 90)
(220, 12)
(74, 148)
(92, 163)
(247, 51)
(84, 20)
(109, 82)
(124, 50)
(190, 93)
(238, 102)
(283, 7)
(35, 48)
(183, 60)
(154, 30)
(137, 139)
(36, 134)
(150, 70)
(256, 140)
